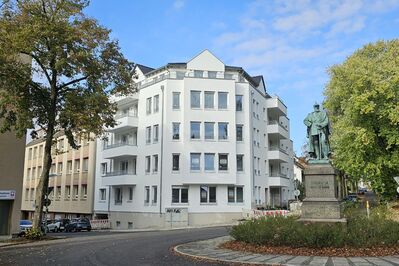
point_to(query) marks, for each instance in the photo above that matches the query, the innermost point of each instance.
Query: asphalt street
(110, 248)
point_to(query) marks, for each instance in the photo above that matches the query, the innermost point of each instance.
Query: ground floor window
(179, 195)
(208, 194)
(235, 194)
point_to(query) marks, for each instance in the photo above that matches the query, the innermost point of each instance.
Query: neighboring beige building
(11, 172)
(71, 178)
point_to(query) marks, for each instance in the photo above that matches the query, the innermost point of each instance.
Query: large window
(239, 133)
(223, 130)
(209, 130)
(155, 163)
(209, 99)
(154, 194)
(118, 195)
(195, 161)
(103, 194)
(222, 100)
(148, 105)
(240, 162)
(212, 74)
(148, 135)
(235, 194)
(176, 130)
(223, 162)
(195, 99)
(198, 73)
(156, 103)
(239, 102)
(207, 194)
(176, 100)
(195, 130)
(175, 162)
(156, 133)
(179, 195)
(147, 164)
(209, 161)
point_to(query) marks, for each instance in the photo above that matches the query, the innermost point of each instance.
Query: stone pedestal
(322, 202)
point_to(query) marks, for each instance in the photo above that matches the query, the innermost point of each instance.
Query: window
(39, 171)
(59, 168)
(223, 130)
(52, 170)
(118, 196)
(67, 192)
(40, 150)
(240, 162)
(84, 191)
(222, 100)
(209, 130)
(103, 168)
(30, 154)
(156, 133)
(146, 194)
(209, 161)
(148, 135)
(156, 103)
(195, 159)
(176, 162)
(85, 166)
(212, 74)
(195, 130)
(239, 102)
(148, 105)
(235, 194)
(27, 194)
(130, 194)
(176, 100)
(179, 195)
(207, 194)
(58, 192)
(35, 153)
(75, 191)
(239, 133)
(155, 163)
(28, 173)
(195, 99)
(123, 167)
(147, 164)
(198, 73)
(103, 194)
(209, 99)
(77, 166)
(154, 194)
(176, 130)
(223, 162)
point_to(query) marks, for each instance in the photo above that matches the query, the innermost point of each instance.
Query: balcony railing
(279, 149)
(118, 116)
(119, 144)
(275, 122)
(118, 173)
(284, 175)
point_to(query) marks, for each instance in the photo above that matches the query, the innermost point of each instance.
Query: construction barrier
(100, 224)
(255, 214)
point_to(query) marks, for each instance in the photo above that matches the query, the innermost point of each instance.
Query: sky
(291, 43)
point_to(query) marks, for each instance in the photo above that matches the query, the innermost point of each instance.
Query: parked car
(361, 191)
(63, 223)
(77, 225)
(53, 225)
(351, 197)
(24, 225)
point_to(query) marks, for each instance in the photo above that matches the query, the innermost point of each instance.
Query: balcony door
(124, 165)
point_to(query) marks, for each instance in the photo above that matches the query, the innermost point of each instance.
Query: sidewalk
(208, 249)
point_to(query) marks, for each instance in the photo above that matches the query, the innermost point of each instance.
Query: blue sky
(291, 43)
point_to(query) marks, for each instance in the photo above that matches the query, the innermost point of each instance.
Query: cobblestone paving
(208, 249)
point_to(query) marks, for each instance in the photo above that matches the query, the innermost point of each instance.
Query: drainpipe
(161, 157)
(252, 146)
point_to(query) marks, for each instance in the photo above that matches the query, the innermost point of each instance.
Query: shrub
(287, 231)
(33, 234)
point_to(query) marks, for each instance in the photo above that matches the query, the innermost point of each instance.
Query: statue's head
(316, 107)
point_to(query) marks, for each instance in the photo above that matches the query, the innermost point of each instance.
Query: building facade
(11, 172)
(198, 143)
(71, 181)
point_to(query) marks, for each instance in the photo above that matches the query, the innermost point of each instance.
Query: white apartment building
(198, 143)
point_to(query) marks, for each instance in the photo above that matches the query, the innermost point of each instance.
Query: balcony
(274, 127)
(117, 178)
(124, 122)
(278, 155)
(275, 105)
(278, 180)
(116, 150)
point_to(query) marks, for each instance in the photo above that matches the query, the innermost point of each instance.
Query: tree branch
(40, 64)
(71, 82)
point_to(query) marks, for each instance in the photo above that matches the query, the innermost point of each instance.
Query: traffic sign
(297, 192)
(47, 202)
(396, 179)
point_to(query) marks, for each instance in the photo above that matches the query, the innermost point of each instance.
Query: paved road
(139, 248)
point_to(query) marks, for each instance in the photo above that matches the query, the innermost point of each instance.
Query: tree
(362, 100)
(75, 68)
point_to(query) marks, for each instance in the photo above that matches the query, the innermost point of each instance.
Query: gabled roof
(257, 79)
(144, 69)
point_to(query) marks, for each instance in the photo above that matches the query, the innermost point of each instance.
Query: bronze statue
(318, 134)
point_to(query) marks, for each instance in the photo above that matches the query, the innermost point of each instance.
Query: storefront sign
(7, 194)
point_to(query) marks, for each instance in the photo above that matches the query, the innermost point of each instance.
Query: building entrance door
(5, 215)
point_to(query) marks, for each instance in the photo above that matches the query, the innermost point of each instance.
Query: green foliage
(362, 101)
(281, 231)
(33, 234)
